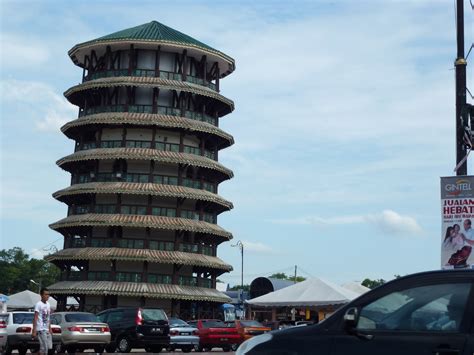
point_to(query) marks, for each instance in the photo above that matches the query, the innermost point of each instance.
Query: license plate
(224, 339)
(93, 329)
(156, 330)
(185, 333)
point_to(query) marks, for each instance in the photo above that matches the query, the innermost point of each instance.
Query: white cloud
(387, 221)
(53, 121)
(38, 253)
(257, 247)
(392, 223)
(21, 52)
(49, 109)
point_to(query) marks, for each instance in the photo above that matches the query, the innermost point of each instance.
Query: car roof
(432, 274)
(72, 312)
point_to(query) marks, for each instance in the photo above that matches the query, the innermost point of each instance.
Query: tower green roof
(150, 32)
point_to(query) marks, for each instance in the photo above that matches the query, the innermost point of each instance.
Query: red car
(214, 333)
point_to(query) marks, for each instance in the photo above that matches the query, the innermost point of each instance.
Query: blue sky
(344, 123)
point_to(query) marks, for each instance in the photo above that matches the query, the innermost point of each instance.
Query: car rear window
(153, 314)
(81, 317)
(250, 323)
(213, 324)
(23, 318)
(175, 322)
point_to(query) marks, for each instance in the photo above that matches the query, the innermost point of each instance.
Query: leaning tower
(141, 227)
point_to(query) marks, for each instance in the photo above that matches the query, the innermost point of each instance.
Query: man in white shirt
(42, 323)
(468, 232)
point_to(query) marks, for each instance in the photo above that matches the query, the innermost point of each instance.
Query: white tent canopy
(27, 300)
(356, 287)
(309, 293)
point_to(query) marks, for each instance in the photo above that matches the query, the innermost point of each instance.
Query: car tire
(226, 349)
(199, 348)
(8, 350)
(187, 349)
(124, 345)
(22, 350)
(70, 349)
(111, 348)
(58, 349)
(234, 347)
(99, 349)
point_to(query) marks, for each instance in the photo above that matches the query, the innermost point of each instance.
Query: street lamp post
(241, 247)
(38, 284)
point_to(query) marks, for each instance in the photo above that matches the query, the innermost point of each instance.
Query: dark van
(143, 328)
(422, 314)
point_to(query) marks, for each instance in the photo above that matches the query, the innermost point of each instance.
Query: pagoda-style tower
(141, 228)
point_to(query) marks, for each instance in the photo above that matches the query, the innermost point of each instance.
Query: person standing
(42, 323)
(468, 232)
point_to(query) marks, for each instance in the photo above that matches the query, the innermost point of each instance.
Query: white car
(19, 328)
(3, 330)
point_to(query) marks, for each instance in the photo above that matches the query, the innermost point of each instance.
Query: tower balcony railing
(144, 178)
(163, 146)
(194, 248)
(127, 276)
(142, 210)
(150, 73)
(164, 110)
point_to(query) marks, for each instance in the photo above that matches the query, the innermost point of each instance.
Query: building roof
(143, 119)
(134, 188)
(151, 256)
(144, 154)
(155, 33)
(356, 287)
(309, 293)
(26, 300)
(152, 31)
(263, 285)
(140, 221)
(162, 291)
(149, 82)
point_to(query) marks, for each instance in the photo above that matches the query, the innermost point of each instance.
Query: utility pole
(295, 273)
(241, 247)
(461, 109)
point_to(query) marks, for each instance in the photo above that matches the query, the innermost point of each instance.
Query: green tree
(283, 276)
(238, 287)
(373, 283)
(279, 275)
(17, 269)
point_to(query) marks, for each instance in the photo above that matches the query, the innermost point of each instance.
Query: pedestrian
(42, 323)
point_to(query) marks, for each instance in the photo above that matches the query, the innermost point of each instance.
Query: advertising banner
(457, 216)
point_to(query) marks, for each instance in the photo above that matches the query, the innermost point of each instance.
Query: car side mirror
(351, 317)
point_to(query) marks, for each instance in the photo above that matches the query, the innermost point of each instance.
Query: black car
(422, 314)
(130, 328)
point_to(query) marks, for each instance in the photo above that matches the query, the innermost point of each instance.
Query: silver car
(81, 330)
(182, 336)
(3, 331)
(19, 330)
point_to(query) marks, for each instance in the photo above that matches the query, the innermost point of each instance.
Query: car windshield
(175, 322)
(23, 318)
(153, 315)
(213, 324)
(250, 323)
(80, 317)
